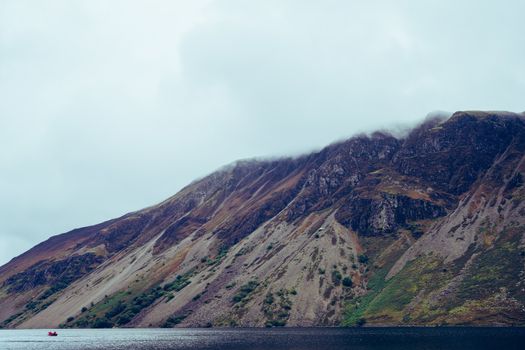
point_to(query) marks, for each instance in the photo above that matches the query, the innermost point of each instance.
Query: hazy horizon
(108, 108)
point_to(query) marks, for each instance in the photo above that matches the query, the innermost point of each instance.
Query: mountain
(425, 229)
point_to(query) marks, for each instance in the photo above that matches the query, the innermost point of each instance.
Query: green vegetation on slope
(427, 291)
(121, 307)
(498, 267)
(277, 310)
(354, 310)
(244, 291)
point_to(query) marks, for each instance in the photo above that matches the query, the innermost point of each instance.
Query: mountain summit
(427, 229)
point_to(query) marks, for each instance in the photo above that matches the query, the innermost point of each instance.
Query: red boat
(52, 334)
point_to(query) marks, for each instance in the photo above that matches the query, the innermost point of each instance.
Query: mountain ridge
(334, 237)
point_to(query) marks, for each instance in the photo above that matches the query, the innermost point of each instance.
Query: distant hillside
(422, 230)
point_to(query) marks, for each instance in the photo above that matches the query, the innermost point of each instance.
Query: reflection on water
(266, 339)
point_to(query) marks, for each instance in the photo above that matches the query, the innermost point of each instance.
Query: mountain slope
(425, 229)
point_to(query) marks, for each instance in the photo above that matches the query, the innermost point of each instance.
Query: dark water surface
(269, 339)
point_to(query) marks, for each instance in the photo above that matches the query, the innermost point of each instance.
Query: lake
(268, 339)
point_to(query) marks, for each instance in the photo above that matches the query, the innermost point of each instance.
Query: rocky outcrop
(387, 214)
(55, 273)
(453, 154)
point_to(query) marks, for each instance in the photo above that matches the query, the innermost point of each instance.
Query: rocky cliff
(425, 229)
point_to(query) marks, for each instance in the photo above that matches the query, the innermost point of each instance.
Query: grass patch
(174, 320)
(496, 268)
(277, 308)
(362, 258)
(347, 282)
(244, 291)
(223, 251)
(180, 282)
(116, 310)
(355, 309)
(336, 277)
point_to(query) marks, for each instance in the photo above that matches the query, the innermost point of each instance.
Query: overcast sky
(110, 106)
